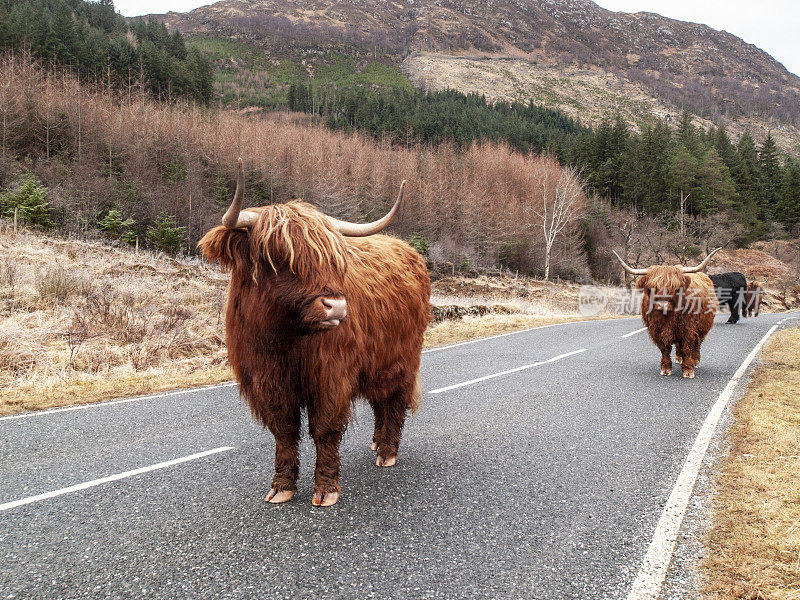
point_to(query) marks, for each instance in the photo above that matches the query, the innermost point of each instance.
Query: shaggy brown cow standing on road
(317, 315)
(678, 308)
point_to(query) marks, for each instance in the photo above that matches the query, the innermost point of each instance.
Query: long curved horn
(364, 229)
(703, 264)
(627, 268)
(234, 217)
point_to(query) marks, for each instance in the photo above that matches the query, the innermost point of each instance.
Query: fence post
(16, 208)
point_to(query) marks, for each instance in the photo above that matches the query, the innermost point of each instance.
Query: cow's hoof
(665, 372)
(325, 498)
(689, 375)
(386, 462)
(374, 446)
(275, 497)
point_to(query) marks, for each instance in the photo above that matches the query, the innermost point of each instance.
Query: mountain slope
(676, 64)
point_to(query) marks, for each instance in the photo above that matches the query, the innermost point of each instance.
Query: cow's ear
(231, 247)
(687, 281)
(640, 283)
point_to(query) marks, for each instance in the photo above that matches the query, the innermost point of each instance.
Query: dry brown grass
(84, 321)
(753, 548)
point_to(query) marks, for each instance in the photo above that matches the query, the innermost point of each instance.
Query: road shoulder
(740, 536)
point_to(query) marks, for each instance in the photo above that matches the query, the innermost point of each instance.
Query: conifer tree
(771, 175)
(719, 191)
(788, 208)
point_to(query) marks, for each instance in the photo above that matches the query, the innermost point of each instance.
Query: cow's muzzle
(335, 312)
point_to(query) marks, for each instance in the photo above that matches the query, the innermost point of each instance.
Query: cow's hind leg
(688, 351)
(393, 409)
(734, 308)
(388, 443)
(696, 356)
(285, 426)
(666, 360)
(377, 409)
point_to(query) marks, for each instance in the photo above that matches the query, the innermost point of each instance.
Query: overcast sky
(772, 25)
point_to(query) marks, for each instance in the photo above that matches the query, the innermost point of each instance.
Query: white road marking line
(499, 335)
(627, 335)
(651, 575)
(50, 411)
(530, 366)
(102, 480)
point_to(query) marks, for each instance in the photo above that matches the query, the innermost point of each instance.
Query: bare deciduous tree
(559, 200)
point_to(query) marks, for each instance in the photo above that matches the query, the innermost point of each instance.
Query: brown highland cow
(755, 292)
(320, 311)
(678, 308)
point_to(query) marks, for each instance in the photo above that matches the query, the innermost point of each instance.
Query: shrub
(165, 235)
(115, 225)
(219, 191)
(30, 201)
(175, 171)
(419, 243)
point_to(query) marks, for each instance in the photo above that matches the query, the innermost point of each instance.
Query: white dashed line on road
(110, 478)
(509, 371)
(627, 335)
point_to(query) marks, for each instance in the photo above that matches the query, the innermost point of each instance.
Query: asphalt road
(545, 482)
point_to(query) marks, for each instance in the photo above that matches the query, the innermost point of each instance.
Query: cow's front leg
(285, 426)
(326, 430)
(326, 473)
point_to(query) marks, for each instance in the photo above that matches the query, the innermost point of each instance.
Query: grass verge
(753, 549)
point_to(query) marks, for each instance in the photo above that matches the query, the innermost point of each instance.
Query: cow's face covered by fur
(678, 308)
(294, 257)
(664, 289)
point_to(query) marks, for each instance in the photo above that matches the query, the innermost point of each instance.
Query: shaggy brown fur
(678, 309)
(281, 269)
(755, 293)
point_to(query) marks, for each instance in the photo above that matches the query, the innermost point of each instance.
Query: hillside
(648, 65)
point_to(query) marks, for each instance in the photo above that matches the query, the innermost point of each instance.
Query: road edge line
(50, 411)
(653, 571)
(529, 329)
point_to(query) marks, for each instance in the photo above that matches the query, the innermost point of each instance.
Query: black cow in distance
(731, 289)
